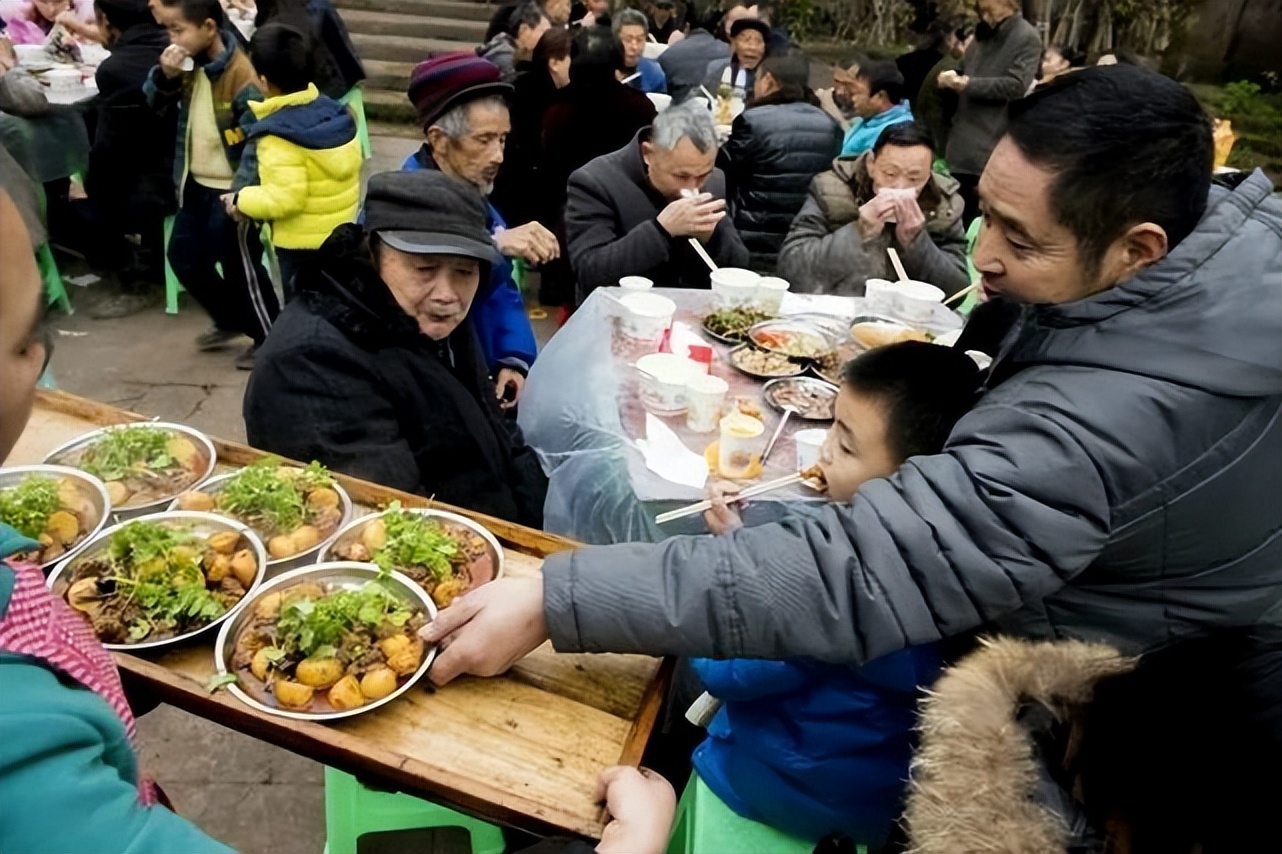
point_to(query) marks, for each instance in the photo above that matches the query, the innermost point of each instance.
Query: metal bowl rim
(178, 515)
(357, 571)
(801, 325)
(748, 345)
(768, 397)
(151, 506)
(344, 500)
(89, 480)
(472, 524)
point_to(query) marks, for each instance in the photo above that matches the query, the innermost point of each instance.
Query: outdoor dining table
(525, 749)
(581, 410)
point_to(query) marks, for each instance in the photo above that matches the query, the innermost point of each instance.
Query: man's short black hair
(125, 14)
(883, 76)
(791, 70)
(526, 13)
(198, 11)
(1126, 146)
(281, 54)
(904, 135)
(923, 388)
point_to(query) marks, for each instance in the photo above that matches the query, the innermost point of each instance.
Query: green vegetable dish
(318, 648)
(292, 509)
(140, 465)
(443, 557)
(57, 514)
(732, 324)
(155, 581)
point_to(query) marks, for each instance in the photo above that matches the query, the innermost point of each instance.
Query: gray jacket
(21, 94)
(1001, 68)
(501, 51)
(686, 63)
(1123, 486)
(612, 229)
(825, 253)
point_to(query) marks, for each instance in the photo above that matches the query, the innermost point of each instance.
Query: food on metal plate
(292, 509)
(156, 581)
(875, 333)
(792, 342)
(319, 648)
(57, 514)
(139, 465)
(811, 399)
(445, 559)
(733, 323)
(763, 363)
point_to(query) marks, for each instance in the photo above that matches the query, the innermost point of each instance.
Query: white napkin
(669, 458)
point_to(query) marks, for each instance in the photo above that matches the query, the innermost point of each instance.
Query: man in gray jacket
(888, 197)
(999, 67)
(1118, 481)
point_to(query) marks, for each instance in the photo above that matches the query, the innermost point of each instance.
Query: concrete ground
(250, 795)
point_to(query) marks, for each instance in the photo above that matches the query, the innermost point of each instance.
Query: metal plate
(90, 486)
(216, 484)
(130, 511)
(734, 355)
(772, 389)
(336, 575)
(836, 327)
(202, 524)
(353, 531)
(761, 332)
(730, 339)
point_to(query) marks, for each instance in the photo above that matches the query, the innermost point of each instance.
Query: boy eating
(211, 81)
(813, 748)
(304, 147)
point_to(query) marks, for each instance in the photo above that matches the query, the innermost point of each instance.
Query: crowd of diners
(1080, 544)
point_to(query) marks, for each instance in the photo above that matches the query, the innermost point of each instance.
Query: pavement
(248, 794)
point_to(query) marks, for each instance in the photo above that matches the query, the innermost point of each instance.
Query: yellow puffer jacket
(308, 165)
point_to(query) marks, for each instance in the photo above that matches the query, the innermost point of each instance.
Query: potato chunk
(304, 537)
(292, 694)
(261, 662)
(196, 500)
(182, 449)
(63, 527)
(374, 535)
(224, 542)
(218, 568)
(377, 684)
(394, 644)
(322, 498)
(407, 659)
(117, 492)
(281, 547)
(244, 567)
(319, 672)
(346, 694)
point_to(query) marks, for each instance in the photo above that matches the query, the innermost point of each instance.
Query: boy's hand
(642, 805)
(171, 61)
(721, 518)
(229, 205)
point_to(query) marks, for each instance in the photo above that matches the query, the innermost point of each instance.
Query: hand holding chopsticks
(750, 492)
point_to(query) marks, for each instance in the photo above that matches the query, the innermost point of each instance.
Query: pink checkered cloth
(43, 626)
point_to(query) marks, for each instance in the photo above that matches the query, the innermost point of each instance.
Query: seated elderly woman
(376, 371)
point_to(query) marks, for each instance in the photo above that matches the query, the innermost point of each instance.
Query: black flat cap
(429, 213)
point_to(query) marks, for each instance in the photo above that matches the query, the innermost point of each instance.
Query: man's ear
(647, 151)
(436, 138)
(1141, 246)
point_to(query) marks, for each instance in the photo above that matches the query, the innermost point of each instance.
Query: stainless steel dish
(835, 327)
(69, 455)
(762, 335)
(89, 485)
(817, 388)
(215, 484)
(202, 524)
(336, 575)
(736, 359)
(352, 531)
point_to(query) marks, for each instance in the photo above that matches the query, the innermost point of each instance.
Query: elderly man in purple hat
(461, 101)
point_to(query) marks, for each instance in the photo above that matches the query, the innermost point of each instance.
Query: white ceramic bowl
(646, 316)
(663, 381)
(635, 283)
(733, 287)
(915, 301)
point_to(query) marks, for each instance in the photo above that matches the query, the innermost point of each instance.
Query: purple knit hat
(450, 79)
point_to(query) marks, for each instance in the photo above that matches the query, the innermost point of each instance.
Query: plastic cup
(705, 398)
(770, 291)
(663, 381)
(635, 283)
(880, 294)
(809, 443)
(738, 445)
(646, 317)
(733, 287)
(915, 302)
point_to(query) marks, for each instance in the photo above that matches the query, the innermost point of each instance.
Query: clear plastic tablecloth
(581, 411)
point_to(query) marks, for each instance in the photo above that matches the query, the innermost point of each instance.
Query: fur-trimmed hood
(977, 782)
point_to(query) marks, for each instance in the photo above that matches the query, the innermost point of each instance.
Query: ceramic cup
(733, 287)
(915, 301)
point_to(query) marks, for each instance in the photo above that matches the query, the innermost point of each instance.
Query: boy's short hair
(924, 388)
(124, 14)
(883, 76)
(198, 11)
(282, 55)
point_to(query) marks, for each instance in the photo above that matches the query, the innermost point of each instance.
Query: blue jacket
(812, 748)
(862, 135)
(651, 79)
(507, 339)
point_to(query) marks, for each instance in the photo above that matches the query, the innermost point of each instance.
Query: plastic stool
(55, 290)
(705, 825)
(354, 100)
(352, 810)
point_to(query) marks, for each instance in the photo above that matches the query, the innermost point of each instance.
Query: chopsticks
(750, 492)
(703, 253)
(894, 261)
(963, 293)
(631, 77)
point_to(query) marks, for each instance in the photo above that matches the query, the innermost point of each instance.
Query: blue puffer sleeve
(507, 338)
(740, 679)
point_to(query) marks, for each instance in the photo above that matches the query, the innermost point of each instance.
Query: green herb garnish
(260, 492)
(127, 450)
(28, 506)
(159, 568)
(219, 681)
(309, 626)
(415, 540)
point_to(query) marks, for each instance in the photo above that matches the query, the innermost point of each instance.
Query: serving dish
(763, 364)
(810, 399)
(792, 338)
(78, 495)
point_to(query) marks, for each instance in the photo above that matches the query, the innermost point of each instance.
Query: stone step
(392, 76)
(385, 106)
(402, 130)
(403, 48)
(458, 10)
(413, 25)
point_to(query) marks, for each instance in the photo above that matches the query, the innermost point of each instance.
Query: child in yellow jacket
(302, 150)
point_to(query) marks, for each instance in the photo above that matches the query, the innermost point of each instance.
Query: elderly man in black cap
(376, 370)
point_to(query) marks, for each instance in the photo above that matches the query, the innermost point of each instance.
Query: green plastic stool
(352, 810)
(354, 100)
(173, 287)
(705, 825)
(55, 290)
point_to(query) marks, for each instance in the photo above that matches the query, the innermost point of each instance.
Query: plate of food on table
(731, 325)
(809, 399)
(58, 507)
(326, 642)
